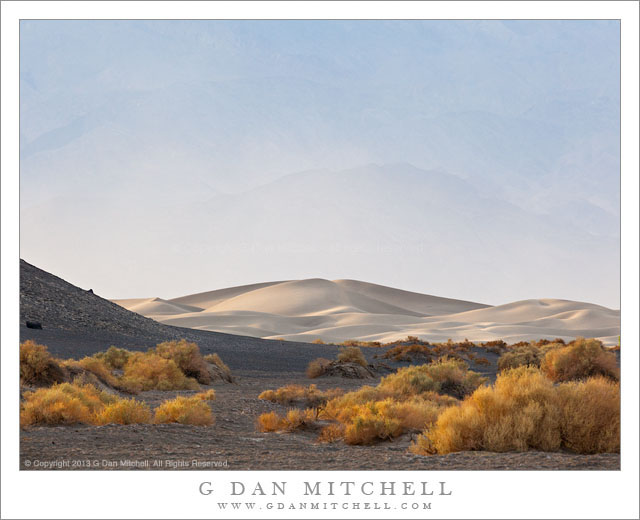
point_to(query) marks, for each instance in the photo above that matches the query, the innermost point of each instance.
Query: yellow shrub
(352, 355)
(317, 367)
(125, 411)
(63, 404)
(332, 433)
(184, 410)
(98, 368)
(310, 396)
(447, 376)
(524, 410)
(294, 419)
(580, 359)
(590, 421)
(37, 366)
(187, 357)
(150, 371)
(114, 357)
(209, 395)
(318, 342)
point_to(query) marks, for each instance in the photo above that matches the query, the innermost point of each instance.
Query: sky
(469, 159)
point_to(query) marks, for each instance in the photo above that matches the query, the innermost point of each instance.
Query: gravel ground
(233, 442)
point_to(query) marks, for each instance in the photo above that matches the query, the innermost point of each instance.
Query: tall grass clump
(37, 366)
(523, 411)
(580, 359)
(185, 410)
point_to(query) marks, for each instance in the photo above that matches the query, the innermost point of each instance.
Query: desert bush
(357, 343)
(268, 422)
(590, 421)
(528, 355)
(125, 411)
(447, 376)
(352, 355)
(149, 371)
(187, 357)
(209, 395)
(37, 366)
(524, 410)
(293, 420)
(114, 357)
(318, 342)
(317, 367)
(482, 361)
(310, 396)
(184, 410)
(580, 359)
(332, 433)
(214, 359)
(495, 346)
(409, 352)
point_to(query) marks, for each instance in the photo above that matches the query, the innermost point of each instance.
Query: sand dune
(334, 311)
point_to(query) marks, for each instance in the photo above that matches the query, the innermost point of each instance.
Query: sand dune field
(334, 311)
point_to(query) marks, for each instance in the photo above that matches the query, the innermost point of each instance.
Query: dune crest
(334, 311)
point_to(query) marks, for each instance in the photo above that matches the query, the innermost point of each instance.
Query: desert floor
(234, 442)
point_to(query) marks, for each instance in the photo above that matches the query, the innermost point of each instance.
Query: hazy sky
(475, 160)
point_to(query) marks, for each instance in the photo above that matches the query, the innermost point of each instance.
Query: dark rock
(34, 325)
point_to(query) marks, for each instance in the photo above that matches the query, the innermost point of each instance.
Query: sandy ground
(233, 443)
(334, 311)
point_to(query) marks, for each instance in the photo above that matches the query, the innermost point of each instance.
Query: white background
(480, 494)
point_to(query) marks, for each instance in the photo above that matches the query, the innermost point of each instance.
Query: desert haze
(338, 310)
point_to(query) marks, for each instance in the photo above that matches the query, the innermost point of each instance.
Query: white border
(174, 494)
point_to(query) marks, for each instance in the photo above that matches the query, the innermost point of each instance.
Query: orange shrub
(318, 342)
(37, 366)
(409, 352)
(187, 357)
(580, 359)
(184, 410)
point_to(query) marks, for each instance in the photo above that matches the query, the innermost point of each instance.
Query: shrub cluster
(150, 371)
(317, 367)
(358, 343)
(70, 403)
(409, 352)
(524, 410)
(114, 357)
